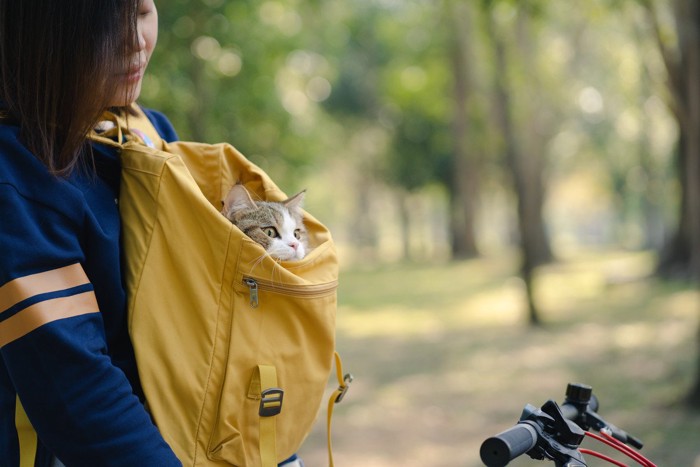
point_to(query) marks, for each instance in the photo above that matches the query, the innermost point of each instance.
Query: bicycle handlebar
(554, 432)
(555, 438)
(509, 444)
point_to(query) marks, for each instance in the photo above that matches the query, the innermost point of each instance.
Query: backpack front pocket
(284, 323)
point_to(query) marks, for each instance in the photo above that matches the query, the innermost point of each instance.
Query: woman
(65, 349)
(63, 340)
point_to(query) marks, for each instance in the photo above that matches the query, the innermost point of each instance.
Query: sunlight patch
(389, 321)
(634, 335)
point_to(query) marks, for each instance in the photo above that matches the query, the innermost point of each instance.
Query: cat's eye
(271, 232)
(297, 234)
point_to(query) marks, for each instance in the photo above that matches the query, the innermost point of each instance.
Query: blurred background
(514, 187)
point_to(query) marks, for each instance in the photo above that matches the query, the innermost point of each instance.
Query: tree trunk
(688, 20)
(526, 176)
(404, 224)
(531, 167)
(463, 186)
(364, 225)
(683, 68)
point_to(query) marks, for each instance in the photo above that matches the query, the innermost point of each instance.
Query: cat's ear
(296, 201)
(237, 199)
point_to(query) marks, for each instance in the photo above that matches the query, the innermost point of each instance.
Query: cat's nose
(294, 245)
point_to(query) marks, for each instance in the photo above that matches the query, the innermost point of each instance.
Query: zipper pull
(253, 287)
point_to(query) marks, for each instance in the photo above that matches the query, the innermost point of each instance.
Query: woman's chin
(124, 98)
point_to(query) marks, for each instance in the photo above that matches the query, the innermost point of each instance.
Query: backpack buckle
(271, 402)
(344, 386)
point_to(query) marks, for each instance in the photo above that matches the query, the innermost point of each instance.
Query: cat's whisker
(254, 264)
(257, 263)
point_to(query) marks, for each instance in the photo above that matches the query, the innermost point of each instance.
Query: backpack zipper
(305, 291)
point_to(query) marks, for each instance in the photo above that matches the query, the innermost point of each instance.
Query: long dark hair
(56, 60)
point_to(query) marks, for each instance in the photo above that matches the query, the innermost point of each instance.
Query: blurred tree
(355, 101)
(525, 167)
(438, 131)
(682, 60)
(463, 182)
(393, 74)
(684, 79)
(683, 66)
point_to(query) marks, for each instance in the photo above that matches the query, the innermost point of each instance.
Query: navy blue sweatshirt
(64, 345)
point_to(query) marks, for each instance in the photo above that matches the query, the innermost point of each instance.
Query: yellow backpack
(233, 348)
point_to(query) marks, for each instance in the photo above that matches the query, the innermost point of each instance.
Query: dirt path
(432, 386)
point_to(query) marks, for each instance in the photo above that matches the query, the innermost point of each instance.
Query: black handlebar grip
(498, 450)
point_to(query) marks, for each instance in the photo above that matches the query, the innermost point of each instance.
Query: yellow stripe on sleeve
(25, 287)
(46, 312)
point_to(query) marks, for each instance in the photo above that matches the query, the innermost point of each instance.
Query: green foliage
(297, 85)
(421, 153)
(247, 73)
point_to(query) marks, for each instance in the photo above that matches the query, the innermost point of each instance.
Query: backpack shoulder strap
(132, 121)
(138, 123)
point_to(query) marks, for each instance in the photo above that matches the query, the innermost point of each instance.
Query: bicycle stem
(558, 439)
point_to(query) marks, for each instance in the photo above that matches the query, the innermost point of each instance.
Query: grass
(443, 358)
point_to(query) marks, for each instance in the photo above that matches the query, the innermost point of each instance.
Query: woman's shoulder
(165, 129)
(27, 180)
(17, 164)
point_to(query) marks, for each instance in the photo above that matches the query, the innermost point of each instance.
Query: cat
(277, 226)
